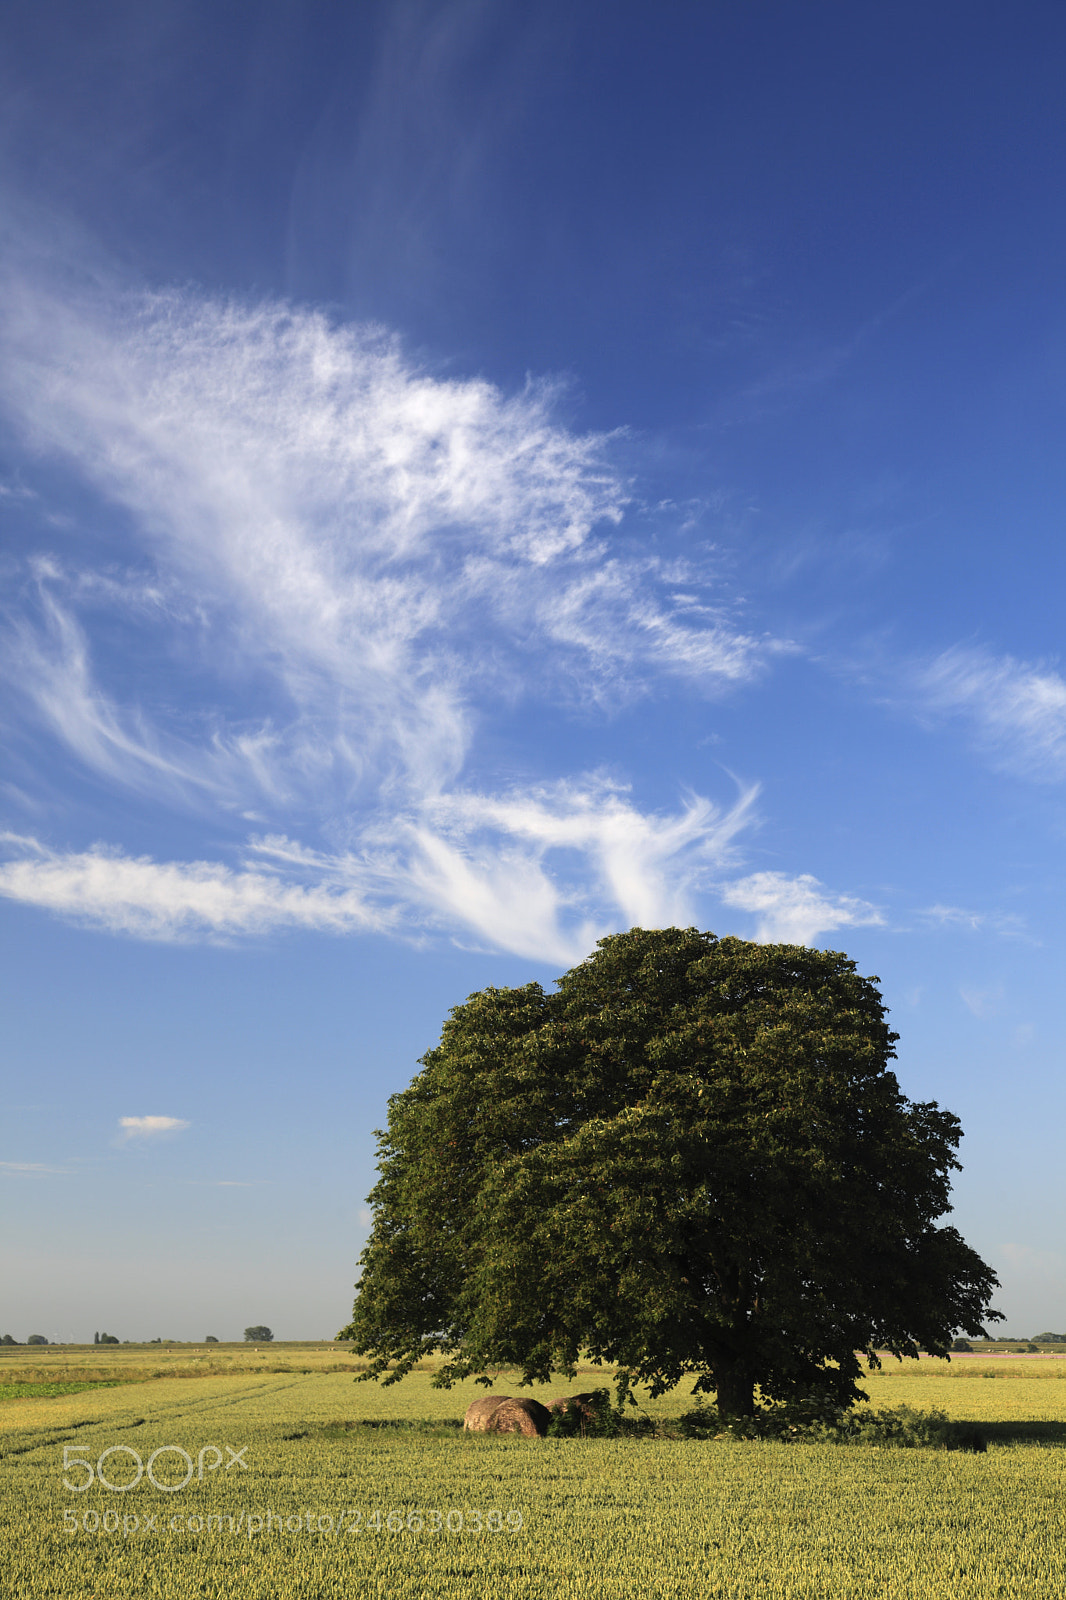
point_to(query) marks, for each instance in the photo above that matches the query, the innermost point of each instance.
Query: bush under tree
(692, 1161)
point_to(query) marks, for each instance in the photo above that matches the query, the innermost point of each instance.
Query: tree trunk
(735, 1389)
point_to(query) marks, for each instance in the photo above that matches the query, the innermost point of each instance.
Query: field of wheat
(272, 1477)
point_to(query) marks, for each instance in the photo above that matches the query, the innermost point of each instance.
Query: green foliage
(598, 1419)
(1049, 1338)
(693, 1160)
(258, 1335)
(815, 1419)
(36, 1338)
(961, 1346)
(45, 1391)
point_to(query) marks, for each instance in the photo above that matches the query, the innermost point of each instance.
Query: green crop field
(305, 1485)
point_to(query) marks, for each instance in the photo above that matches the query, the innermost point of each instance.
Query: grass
(34, 1390)
(138, 1363)
(740, 1520)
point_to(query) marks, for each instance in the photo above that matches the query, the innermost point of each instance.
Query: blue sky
(475, 477)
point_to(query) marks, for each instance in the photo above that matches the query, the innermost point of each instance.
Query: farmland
(303, 1511)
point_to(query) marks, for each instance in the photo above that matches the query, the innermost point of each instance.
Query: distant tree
(961, 1346)
(1049, 1338)
(210, 1339)
(108, 1338)
(36, 1338)
(692, 1160)
(258, 1335)
(7, 1339)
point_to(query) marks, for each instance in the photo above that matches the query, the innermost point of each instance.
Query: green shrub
(817, 1420)
(597, 1419)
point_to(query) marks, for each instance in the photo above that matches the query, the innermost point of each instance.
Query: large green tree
(693, 1159)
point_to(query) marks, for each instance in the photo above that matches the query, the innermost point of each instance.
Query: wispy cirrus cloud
(1016, 709)
(982, 1003)
(49, 655)
(1007, 923)
(541, 874)
(344, 564)
(32, 1168)
(795, 910)
(508, 855)
(173, 899)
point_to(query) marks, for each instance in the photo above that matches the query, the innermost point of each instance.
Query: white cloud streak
(795, 910)
(53, 664)
(352, 561)
(1016, 708)
(1007, 923)
(173, 899)
(30, 1168)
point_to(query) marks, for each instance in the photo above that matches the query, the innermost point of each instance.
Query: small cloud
(796, 910)
(224, 1183)
(1006, 923)
(952, 916)
(150, 1127)
(983, 1003)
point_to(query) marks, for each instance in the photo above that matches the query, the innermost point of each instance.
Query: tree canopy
(258, 1335)
(692, 1160)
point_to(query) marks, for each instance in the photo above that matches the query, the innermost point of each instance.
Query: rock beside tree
(573, 1404)
(496, 1413)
